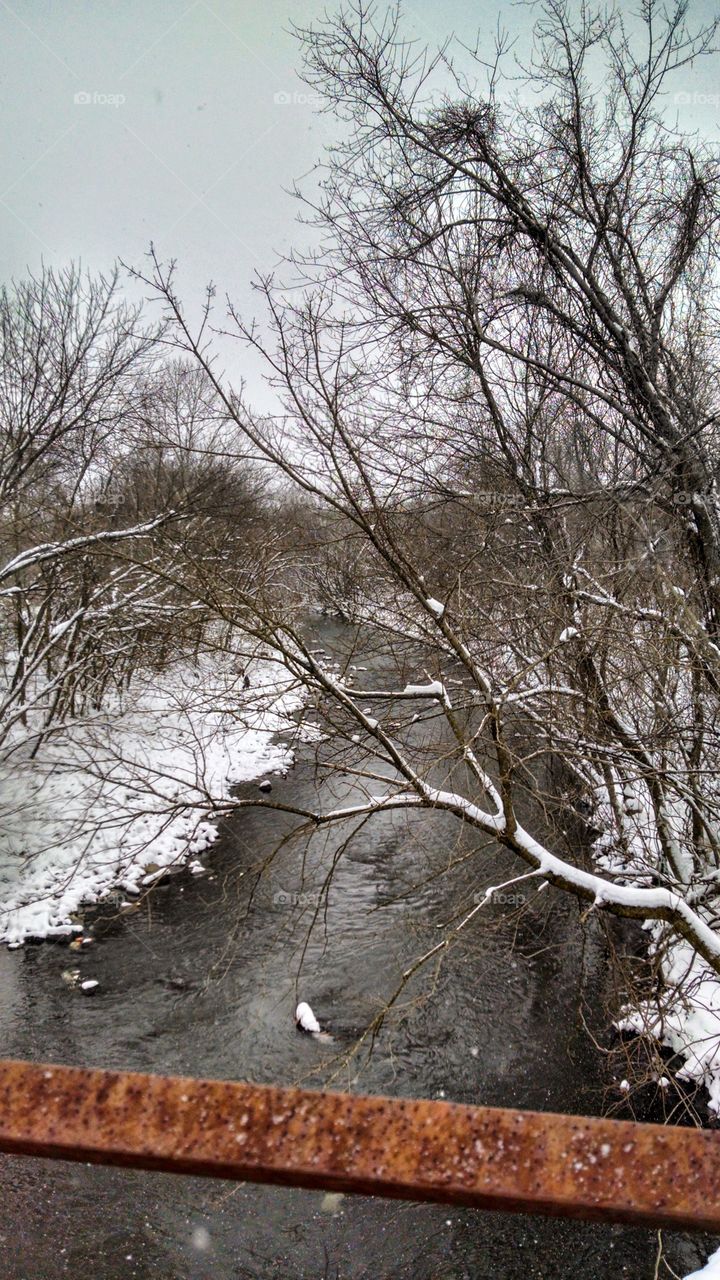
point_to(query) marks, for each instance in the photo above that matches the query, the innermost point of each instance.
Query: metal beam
(485, 1157)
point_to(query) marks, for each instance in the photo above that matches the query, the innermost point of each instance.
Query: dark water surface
(203, 980)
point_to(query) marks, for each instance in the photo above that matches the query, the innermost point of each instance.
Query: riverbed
(202, 978)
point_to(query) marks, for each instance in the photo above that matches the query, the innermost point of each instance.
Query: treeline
(134, 527)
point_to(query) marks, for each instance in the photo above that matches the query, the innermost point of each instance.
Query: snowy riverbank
(683, 1014)
(108, 803)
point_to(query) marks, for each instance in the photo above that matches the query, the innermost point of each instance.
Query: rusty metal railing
(485, 1157)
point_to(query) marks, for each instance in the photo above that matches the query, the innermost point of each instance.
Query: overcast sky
(183, 123)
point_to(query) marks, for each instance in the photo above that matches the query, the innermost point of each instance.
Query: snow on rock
(130, 792)
(305, 1018)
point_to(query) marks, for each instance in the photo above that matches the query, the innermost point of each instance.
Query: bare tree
(501, 381)
(113, 502)
(72, 356)
(126, 541)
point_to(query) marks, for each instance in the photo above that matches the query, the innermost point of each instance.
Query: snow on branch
(628, 900)
(435, 689)
(51, 550)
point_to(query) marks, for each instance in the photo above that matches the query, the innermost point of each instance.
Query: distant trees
(70, 358)
(502, 383)
(117, 509)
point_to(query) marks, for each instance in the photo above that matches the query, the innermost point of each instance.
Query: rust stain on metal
(485, 1157)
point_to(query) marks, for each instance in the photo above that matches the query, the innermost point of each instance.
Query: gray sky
(178, 135)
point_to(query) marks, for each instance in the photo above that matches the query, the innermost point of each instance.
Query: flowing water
(203, 980)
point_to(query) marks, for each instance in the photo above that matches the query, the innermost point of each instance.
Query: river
(203, 978)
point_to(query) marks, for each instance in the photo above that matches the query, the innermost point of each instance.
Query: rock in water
(265, 786)
(331, 1201)
(305, 1018)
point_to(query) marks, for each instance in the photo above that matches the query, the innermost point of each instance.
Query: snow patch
(110, 803)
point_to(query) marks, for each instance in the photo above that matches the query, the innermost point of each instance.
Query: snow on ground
(688, 1023)
(107, 803)
(685, 1014)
